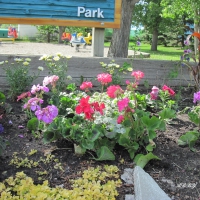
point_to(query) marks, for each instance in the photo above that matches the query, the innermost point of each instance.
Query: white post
(97, 42)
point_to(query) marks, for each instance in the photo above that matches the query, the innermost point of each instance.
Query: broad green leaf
(189, 138)
(151, 123)
(124, 141)
(149, 147)
(49, 136)
(142, 160)
(32, 124)
(152, 134)
(2, 98)
(194, 117)
(167, 113)
(104, 153)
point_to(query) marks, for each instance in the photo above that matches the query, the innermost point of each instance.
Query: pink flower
(114, 90)
(33, 104)
(154, 93)
(50, 80)
(138, 75)
(127, 82)
(166, 88)
(120, 119)
(122, 104)
(86, 85)
(38, 88)
(104, 78)
(23, 95)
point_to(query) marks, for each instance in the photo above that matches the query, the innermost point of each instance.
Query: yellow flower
(130, 69)
(59, 54)
(40, 68)
(25, 63)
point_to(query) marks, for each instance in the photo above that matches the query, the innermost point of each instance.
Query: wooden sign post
(88, 13)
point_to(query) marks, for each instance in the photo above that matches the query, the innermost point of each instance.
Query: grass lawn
(163, 53)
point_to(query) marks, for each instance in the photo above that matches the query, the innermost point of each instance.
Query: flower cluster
(33, 104)
(104, 78)
(155, 91)
(47, 114)
(196, 97)
(138, 75)
(50, 80)
(86, 85)
(89, 108)
(38, 88)
(114, 91)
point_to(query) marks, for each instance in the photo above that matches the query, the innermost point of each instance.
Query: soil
(177, 173)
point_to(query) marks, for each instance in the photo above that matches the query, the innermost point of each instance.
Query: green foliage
(95, 183)
(32, 124)
(18, 75)
(189, 138)
(3, 144)
(141, 160)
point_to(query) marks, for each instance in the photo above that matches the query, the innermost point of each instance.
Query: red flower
(86, 85)
(114, 90)
(104, 78)
(120, 119)
(138, 75)
(166, 88)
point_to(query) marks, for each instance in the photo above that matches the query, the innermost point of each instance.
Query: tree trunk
(48, 37)
(154, 43)
(61, 31)
(120, 38)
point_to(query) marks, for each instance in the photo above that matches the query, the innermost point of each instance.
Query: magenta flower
(120, 119)
(47, 114)
(122, 104)
(114, 90)
(33, 104)
(86, 85)
(187, 42)
(138, 75)
(170, 91)
(104, 78)
(196, 97)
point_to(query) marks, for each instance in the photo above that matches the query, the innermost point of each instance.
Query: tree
(190, 7)
(120, 38)
(61, 31)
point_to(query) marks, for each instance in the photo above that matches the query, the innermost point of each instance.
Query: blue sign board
(94, 13)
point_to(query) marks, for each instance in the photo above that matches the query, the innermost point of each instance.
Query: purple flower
(33, 104)
(21, 136)
(1, 128)
(187, 42)
(187, 51)
(138, 43)
(196, 97)
(38, 88)
(47, 114)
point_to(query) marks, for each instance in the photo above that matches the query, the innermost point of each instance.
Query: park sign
(88, 13)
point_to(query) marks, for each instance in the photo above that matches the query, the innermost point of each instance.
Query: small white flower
(68, 57)
(2, 62)
(56, 58)
(28, 59)
(69, 78)
(25, 63)
(18, 59)
(40, 68)
(44, 57)
(59, 54)
(117, 66)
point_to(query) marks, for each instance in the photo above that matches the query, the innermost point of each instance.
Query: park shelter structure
(99, 14)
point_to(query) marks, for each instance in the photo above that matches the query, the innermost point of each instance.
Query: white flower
(25, 63)
(18, 59)
(28, 59)
(59, 54)
(44, 57)
(40, 68)
(69, 78)
(68, 57)
(56, 58)
(2, 62)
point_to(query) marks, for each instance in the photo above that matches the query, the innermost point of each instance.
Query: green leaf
(104, 153)
(124, 141)
(162, 126)
(151, 123)
(87, 144)
(32, 124)
(2, 98)
(49, 136)
(142, 160)
(131, 153)
(149, 147)
(189, 138)
(127, 123)
(152, 134)
(194, 117)
(167, 113)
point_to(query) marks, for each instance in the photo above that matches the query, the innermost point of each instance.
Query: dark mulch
(177, 173)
